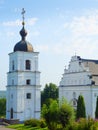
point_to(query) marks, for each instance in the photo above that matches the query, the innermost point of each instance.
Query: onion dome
(23, 45)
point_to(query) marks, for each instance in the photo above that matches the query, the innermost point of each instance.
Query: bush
(50, 114)
(81, 110)
(72, 126)
(32, 122)
(66, 113)
(83, 124)
(42, 123)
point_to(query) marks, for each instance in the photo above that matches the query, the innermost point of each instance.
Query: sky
(58, 29)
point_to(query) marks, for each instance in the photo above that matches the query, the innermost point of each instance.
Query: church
(80, 78)
(23, 81)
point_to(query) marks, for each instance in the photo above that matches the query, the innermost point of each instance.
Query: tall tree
(51, 114)
(66, 113)
(96, 111)
(2, 107)
(81, 112)
(49, 92)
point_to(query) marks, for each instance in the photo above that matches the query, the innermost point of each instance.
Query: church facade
(80, 78)
(23, 81)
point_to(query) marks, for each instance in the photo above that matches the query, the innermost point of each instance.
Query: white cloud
(42, 48)
(12, 23)
(10, 34)
(82, 36)
(30, 22)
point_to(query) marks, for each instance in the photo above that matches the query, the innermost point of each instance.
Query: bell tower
(23, 81)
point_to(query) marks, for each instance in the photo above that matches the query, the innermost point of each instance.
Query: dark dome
(23, 46)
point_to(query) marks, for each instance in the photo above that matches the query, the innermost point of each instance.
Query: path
(3, 128)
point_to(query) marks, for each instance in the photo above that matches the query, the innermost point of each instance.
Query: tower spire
(23, 32)
(23, 18)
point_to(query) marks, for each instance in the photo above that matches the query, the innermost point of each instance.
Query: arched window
(28, 64)
(11, 113)
(13, 66)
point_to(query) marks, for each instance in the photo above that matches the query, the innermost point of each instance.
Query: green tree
(81, 112)
(50, 114)
(66, 113)
(58, 115)
(2, 107)
(96, 111)
(49, 92)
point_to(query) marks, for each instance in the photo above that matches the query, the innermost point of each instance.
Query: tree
(66, 113)
(81, 112)
(56, 114)
(50, 114)
(50, 92)
(2, 107)
(96, 111)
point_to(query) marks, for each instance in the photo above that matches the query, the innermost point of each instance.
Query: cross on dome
(23, 12)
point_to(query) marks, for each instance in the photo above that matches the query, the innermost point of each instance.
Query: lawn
(22, 127)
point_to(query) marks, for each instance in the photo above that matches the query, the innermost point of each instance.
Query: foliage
(57, 117)
(96, 111)
(50, 114)
(81, 112)
(83, 124)
(66, 113)
(49, 92)
(42, 123)
(32, 122)
(23, 127)
(2, 107)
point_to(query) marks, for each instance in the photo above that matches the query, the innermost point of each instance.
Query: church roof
(92, 65)
(93, 68)
(23, 45)
(80, 72)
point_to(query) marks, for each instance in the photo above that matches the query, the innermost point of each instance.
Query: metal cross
(23, 12)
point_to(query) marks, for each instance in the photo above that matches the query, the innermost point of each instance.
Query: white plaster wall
(67, 92)
(76, 79)
(16, 85)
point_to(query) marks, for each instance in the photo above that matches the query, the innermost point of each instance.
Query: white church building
(23, 81)
(80, 78)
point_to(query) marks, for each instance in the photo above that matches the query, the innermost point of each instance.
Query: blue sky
(56, 28)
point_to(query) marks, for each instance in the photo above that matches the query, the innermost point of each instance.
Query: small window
(28, 82)
(13, 66)
(28, 96)
(12, 81)
(28, 65)
(11, 96)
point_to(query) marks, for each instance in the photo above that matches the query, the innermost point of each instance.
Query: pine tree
(81, 112)
(96, 112)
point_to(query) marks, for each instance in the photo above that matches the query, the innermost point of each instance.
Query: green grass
(22, 127)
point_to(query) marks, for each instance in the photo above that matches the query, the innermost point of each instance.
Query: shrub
(66, 113)
(72, 126)
(32, 122)
(50, 114)
(42, 123)
(96, 111)
(81, 112)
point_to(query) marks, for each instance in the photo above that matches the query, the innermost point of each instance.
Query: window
(11, 96)
(28, 96)
(74, 102)
(13, 66)
(28, 65)
(12, 81)
(74, 94)
(28, 82)
(11, 113)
